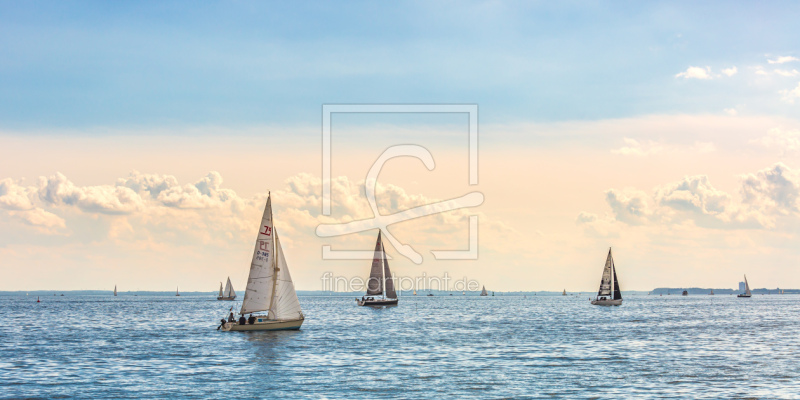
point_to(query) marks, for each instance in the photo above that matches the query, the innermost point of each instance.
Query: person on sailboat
(230, 317)
(251, 320)
(242, 320)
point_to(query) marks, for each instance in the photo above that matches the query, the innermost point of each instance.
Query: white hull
(226, 298)
(607, 302)
(266, 325)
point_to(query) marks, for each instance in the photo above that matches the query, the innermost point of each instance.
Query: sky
(138, 141)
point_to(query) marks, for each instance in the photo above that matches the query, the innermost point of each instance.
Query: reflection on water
(427, 347)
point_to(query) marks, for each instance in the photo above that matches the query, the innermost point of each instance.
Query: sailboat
(269, 285)
(115, 290)
(177, 292)
(229, 293)
(685, 293)
(415, 292)
(746, 289)
(483, 292)
(609, 293)
(564, 293)
(380, 280)
(712, 292)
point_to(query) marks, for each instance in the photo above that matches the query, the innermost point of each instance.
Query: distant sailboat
(712, 292)
(415, 292)
(609, 293)
(380, 281)
(463, 293)
(564, 293)
(269, 285)
(746, 289)
(177, 292)
(115, 290)
(229, 293)
(685, 293)
(483, 292)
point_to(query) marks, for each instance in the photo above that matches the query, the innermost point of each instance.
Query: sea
(461, 347)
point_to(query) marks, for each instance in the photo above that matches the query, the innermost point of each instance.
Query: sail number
(267, 230)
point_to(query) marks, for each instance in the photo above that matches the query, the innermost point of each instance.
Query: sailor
(251, 320)
(242, 320)
(230, 317)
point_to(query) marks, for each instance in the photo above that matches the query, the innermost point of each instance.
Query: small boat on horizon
(564, 293)
(609, 293)
(483, 292)
(228, 294)
(685, 293)
(269, 286)
(712, 292)
(747, 292)
(380, 281)
(115, 290)
(177, 291)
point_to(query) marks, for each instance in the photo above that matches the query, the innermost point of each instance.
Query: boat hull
(377, 302)
(607, 302)
(267, 325)
(744, 295)
(226, 298)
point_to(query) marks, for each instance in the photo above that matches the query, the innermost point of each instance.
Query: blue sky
(143, 64)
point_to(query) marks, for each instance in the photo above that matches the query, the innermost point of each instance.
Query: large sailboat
(484, 292)
(269, 286)
(746, 289)
(228, 293)
(609, 293)
(380, 287)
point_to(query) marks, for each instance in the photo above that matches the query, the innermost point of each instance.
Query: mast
(383, 269)
(274, 268)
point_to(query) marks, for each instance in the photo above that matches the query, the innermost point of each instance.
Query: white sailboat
(380, 281)
(269, 286)
(228, 293)
(484, 292)
(115, 290)
(177, 292)
(564, 293)
(746, 289)
(712, 292)
(609, 293)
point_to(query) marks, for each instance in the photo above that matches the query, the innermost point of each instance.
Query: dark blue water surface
(427, 347)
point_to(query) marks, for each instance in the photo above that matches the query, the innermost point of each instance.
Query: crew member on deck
(251, 320)
(242, 320)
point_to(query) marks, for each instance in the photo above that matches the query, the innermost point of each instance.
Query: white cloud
(790, 96)
(106, 199)
(16, 197)
(730, 71)
(695, 73)
(731, 111)
(783, 59)
(787, 73)
(766, 196)
(44, 221)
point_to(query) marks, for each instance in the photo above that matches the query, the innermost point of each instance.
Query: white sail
(285, 304)
(229, 292)
(483, 292)
(220, 289)
(115, 290)
(747, 287)
(260, 283)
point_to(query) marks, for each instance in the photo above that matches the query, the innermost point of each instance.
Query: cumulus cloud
(783, 59)
(695, 73)
(787, 73)
(44, 221)
(729, 71)
(731, 111)
(16, 197)
(766, 196)
(57, 190)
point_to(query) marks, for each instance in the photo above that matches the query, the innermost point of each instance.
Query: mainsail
(375, 282)
(747, 287)
(115, 290)
(609, 285)
(229, 292)
(483, 292)
(269, 285)
(380, 276)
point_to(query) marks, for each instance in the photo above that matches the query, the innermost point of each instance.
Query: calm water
(428, 347)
